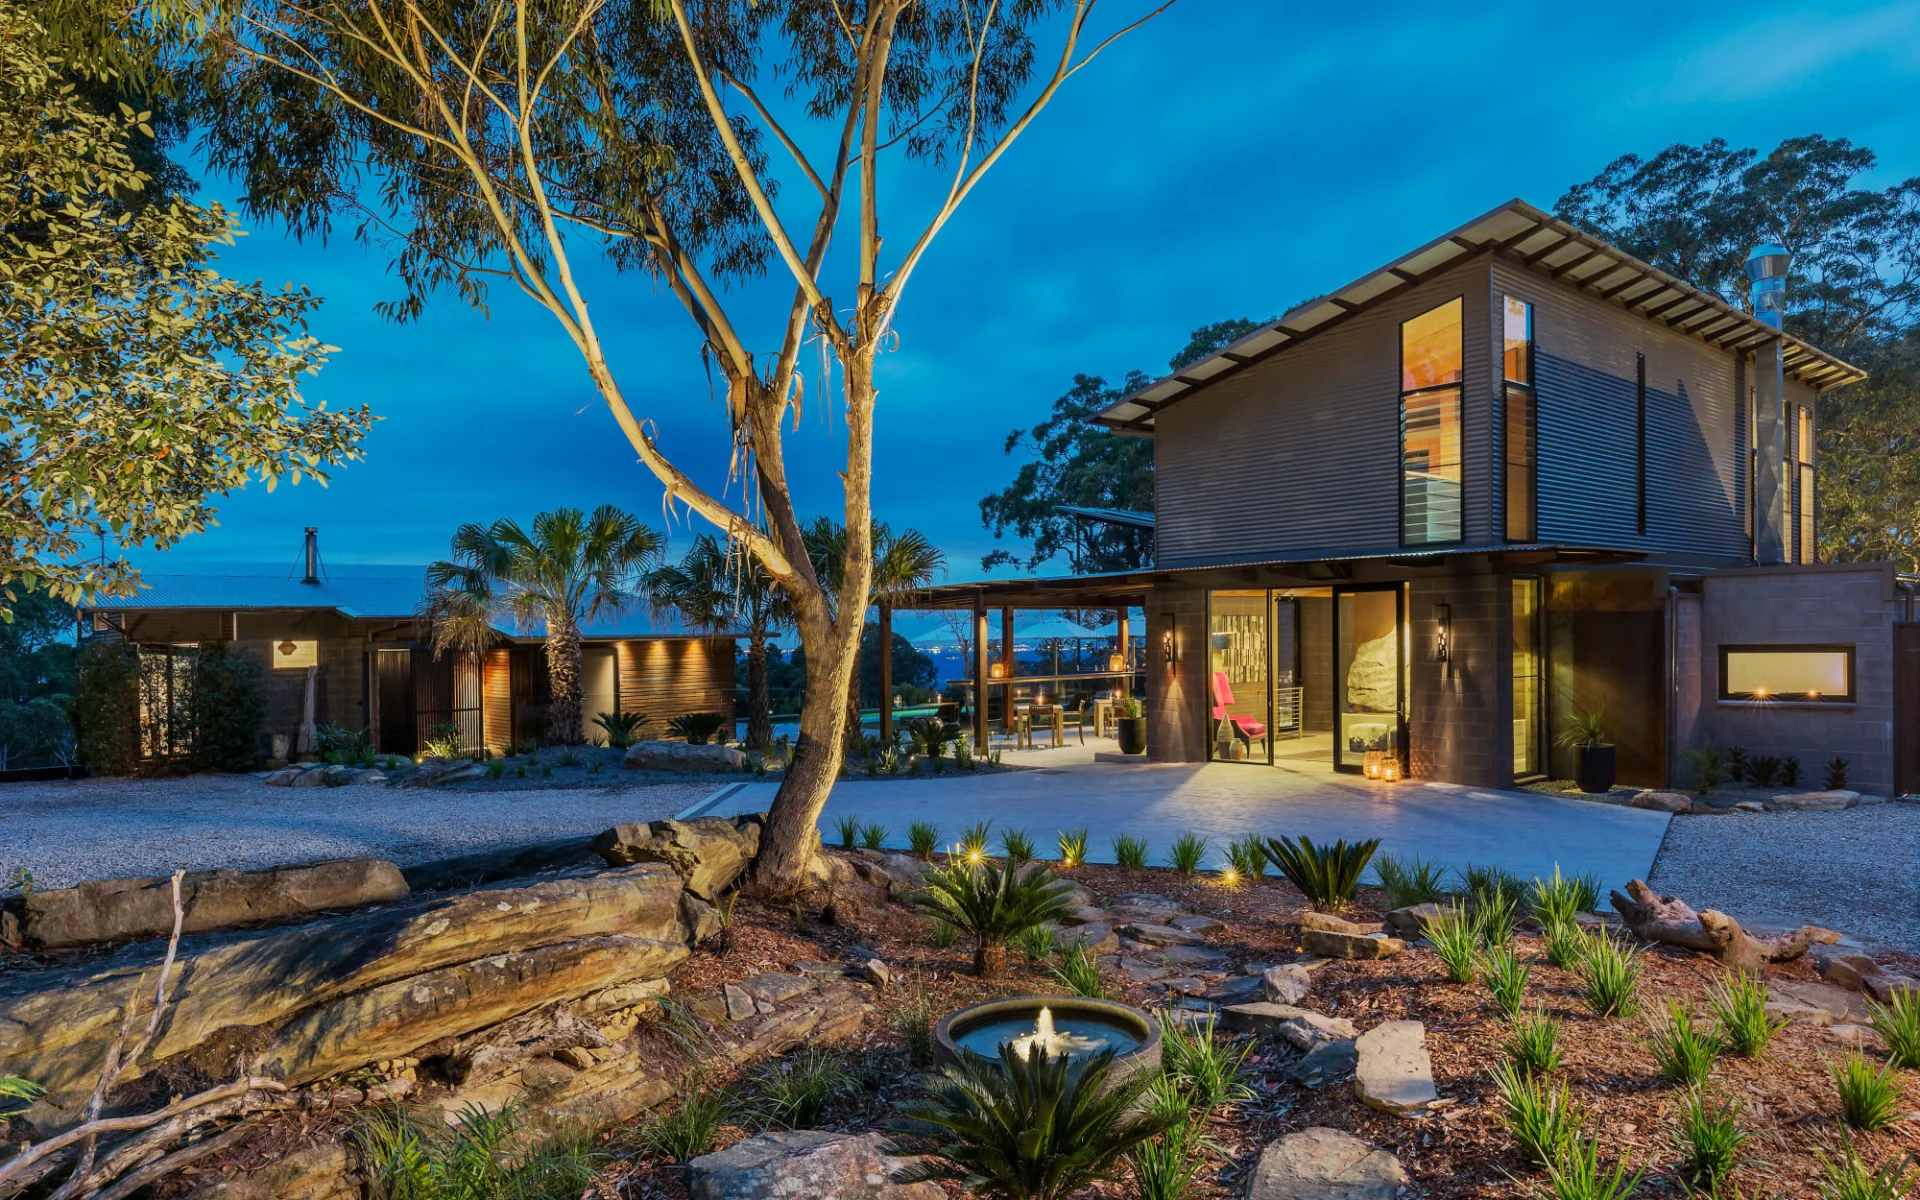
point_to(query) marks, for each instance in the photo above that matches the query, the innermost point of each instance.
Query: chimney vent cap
(1768, 261)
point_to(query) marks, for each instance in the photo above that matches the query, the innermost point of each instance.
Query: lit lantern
(1390, 770)
(1372, 765)
(996, 671)
(1116, 662)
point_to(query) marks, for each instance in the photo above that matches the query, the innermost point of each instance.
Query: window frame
(1848, 649)
(1640, 442)
(1460, 390)
(1529, 390)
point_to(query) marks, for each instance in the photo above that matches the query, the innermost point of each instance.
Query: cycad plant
(571, 568)
(994, 902)
(1326, 875)
(1013, 1128)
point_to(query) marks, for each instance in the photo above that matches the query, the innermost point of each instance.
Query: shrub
(1247, 857)
(1326, 875)
(1739, 1005)
(1454, 941)
(620, 727)
(973, 841)
(1610, 977)
(1560, 901)
(445, 741)
(1017, 846)
(994, 903)
(1898, 1024)
(913, 1018)
(1837, 773)
(1541, 1119)
(1073, 847)
(106, 708)
(685, 1130)
(1709, 1141)
(1851, 1179)
(1567, 946)
(1415, 881)
(1186, 853)
(1736, 764)
(1682, 1050)
(848, 827)
(792, 1091)
(1534, 1045)
(1079, 972)
(1790, 771)
(1492, 885)
(1039, 1128)
(1706, 767)
(1869, 1099)
(1208, 1070)
(943, 934)
(1576, 1174)
(923, 837)
(1130, 852)
(1763, 770)
(414, 1158)
(697, 729)
(496, 768)
(1505, 977)
(1493, 917)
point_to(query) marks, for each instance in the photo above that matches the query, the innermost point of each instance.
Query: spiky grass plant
(408, 1157)
(994, 903)
(1037, 943)
(873, 837)
(1409, 881)
(1130, 852)
(913, 1020)
(1708, 1138)
(923, 838)
(1038, 1128)
(1073, 848)
(685, 1129)
(1556, 901)
(1494, 913)
(1326, 875)
(1849, 1177)
(1576, 1173)
(847, 827)
(1452, 934)
(1017, 846)
(1610, 976)
(1187, 851)
(1208, 1069)
(1869, 1099)
(790, 1092)
(1484, 882)
(1247, 856)
(1898, 1024)
(1567, 946)
(1165, 1167)
(1739, 1006)
(1533, 1046)
(1079, 972)
(1540, 1118)
(973, 841)
(1505, 977)
(1682, 1048)
(942, 934)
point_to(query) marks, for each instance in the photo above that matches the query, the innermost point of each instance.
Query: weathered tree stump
(1668, 919)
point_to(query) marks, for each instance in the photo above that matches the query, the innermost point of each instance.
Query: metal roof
(1536, 240)
(1112, 516)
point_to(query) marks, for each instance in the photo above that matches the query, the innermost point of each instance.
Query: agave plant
(994, 902)
(1013, 1128)
(1325, 875)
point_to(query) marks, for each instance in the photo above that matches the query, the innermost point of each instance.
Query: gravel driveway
(1856, 871)
(105, 828)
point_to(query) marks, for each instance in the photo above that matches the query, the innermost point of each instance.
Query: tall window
(1527, 728)
(1520, 417)
(1803, 495)
(1431, 350)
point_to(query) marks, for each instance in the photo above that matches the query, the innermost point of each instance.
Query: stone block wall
(1460, 712)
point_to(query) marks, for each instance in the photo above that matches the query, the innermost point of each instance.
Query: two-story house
(1513, 478)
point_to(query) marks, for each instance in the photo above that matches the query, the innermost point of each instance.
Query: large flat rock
(709, 853)
(1394, 1072)
(803, 1163)
(1326, 1164)
(1303, 1027)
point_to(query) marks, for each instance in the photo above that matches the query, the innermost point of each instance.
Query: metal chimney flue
(1767, 270)
(313, 555)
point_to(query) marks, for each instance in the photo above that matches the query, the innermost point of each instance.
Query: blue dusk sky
(1229, 159)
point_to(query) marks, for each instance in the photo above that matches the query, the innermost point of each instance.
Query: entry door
(1906, 709)
(1286, 665)
(393, 675)
(1369, 688)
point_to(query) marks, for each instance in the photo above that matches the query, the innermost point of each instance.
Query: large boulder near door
(119, 910)
(709, 853)
(683, 759)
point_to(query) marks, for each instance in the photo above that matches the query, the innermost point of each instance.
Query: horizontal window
(291, 655)
(1819, 674)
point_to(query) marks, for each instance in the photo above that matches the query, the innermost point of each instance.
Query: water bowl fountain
(1076, 1026)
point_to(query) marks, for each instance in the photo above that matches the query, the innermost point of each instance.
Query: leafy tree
(106, 707)
(511, 142)
(1085, 465)
(136, 384)
(1869, 460)
(572, 567)
(715, 589)
(228, 709)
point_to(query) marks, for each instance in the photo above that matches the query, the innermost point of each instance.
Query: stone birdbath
(1076, 1026)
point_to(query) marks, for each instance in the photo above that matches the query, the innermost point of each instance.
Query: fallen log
(1669, 920)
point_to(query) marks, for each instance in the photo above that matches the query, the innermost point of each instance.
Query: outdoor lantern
(1443, 632)
(1166, 643)
(1390, 770)
(1116, 661)
(287, 648)
(996, 671)
(1372, 764)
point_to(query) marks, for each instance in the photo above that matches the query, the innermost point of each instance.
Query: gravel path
(1856, 871)
(105, 828)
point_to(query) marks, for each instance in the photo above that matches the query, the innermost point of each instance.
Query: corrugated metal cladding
(1302, 451)
(1588, 444)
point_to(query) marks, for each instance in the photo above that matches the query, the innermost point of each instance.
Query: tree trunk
(792, 831)
(759, 700)
(855, 734)
(564, 727)
(989, 960)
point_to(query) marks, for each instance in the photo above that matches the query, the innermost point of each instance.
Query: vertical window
(1803, 445)
(1640, 440)
(1520, 420)
(1431, 351)
(1527, 757)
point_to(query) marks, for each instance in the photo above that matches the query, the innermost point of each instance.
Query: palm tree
(713, 589)
(902, 565)
(571, 568)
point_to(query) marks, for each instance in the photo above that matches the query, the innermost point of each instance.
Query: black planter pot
(1132, 734)
(1593, 769)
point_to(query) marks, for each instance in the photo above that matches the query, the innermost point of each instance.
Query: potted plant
(1593, 753)
(1131, 726)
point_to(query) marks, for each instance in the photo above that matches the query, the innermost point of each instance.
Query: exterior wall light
(1166, 642)
(1443, 632)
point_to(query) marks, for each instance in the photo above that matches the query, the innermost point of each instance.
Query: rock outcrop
(708, 853)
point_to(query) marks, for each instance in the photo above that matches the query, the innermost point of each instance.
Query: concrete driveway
(1449, 825)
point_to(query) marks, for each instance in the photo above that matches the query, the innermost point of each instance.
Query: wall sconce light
(1166, 641)
(1443, 632)
(287, 648)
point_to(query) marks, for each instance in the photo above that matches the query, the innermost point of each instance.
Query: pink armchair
(1246, 729)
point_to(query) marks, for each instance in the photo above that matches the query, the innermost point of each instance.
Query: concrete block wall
(1460, 712)
(1830, 603)
(1177, 692)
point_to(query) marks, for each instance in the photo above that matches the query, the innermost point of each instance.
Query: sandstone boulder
(1095, 938)
(1393, 1071)
(115, 910)
(1328, 923)
(1286, 984)
(1326, 1164)
(1302, 1027)
(1833, 801)
(1349, 945)
(682, 759)
(1666, 802)
(1410, 922)
(319, 1172)
(810, 1163)
(1883, 986)
(1161, 935)
(709, 853)
(437, 772)
(1844, 968)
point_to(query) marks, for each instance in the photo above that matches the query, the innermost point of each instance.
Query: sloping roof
(1112, 516)
(357, 596)
(1535, 239)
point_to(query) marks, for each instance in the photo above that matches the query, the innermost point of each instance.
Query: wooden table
(1102, 715)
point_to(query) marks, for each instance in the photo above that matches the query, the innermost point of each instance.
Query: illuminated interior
(1815, 673)
(1431, 351)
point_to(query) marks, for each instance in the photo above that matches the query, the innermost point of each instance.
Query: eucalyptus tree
(569, 569)
(507, 141)
(715, 589)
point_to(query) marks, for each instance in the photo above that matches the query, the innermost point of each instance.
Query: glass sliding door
(1369, 687)
(1529, 700)
(1287, 691)
(1239, 683)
